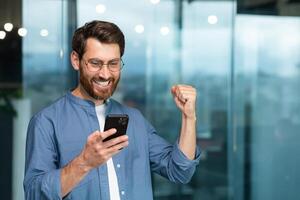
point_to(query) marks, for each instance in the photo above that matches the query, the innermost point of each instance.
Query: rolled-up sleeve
(168, 160)
(182, 161)
(42, 174)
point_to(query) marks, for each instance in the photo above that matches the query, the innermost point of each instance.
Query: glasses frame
(87, 63)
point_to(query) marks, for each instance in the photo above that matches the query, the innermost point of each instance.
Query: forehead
(103, 51)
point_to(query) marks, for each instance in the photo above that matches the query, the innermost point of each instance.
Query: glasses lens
(115, 66)
(96, 65)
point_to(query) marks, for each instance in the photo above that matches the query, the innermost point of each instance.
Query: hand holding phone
(117, 121)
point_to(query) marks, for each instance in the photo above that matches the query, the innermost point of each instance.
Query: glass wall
(206, 64)
(46, 68)
(175, 42)
(267, 103)
(46, 72)
(246, 69)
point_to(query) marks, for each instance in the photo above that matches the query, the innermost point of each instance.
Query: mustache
(103, 79)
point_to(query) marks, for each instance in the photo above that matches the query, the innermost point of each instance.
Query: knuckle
(104, 157)
(99, 137)
(116, 148)
(90, 141)
(90, 137)
(115, 141)
(118, 139)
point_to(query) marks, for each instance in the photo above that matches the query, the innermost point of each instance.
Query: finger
(181, 98)
(115, 141)
(185, 92)
(185, 86)
(188, 94)
(94, 137)
(182, 87)
(117, 148)
(191, 90)
(186, 97)
(108, 133)
(173, 90)
(178, 102)
(181, 95)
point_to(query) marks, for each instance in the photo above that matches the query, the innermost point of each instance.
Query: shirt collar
(84, 102)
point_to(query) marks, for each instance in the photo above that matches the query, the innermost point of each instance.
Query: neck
(81, 93)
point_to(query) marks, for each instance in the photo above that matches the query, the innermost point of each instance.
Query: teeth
(102, 83)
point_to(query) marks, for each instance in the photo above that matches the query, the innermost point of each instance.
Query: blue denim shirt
(58, 133)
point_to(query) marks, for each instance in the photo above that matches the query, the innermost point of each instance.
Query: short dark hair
(103, 31)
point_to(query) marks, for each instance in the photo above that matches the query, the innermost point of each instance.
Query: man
(66, 156)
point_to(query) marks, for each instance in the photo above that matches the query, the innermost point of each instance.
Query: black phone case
(117, 121)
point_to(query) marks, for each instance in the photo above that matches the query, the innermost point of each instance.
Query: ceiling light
(139, 28)
(100, 8)
(164, 30)
(212, 19)
(8, 27)
(22, 32)
(44, 32)
(2, 35)
(154, 1)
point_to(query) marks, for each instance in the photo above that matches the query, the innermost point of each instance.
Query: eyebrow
(114, 59)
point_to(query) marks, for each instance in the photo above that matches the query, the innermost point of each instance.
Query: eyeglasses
(95, 65)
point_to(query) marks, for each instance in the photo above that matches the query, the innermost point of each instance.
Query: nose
(104, 72)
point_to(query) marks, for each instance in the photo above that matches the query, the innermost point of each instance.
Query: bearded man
(66, 155)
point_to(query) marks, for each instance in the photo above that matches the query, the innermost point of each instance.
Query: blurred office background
(243, 56)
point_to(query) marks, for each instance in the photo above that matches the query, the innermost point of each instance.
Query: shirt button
(123, 192)
(118, 165)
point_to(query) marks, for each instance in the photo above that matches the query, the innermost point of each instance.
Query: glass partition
(246, 69)
(46, 72)
(46, 65)
(267, 103)
(177, 42)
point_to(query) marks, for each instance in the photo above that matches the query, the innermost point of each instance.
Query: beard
(88, 85)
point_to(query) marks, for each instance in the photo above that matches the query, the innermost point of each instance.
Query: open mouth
(102, 84)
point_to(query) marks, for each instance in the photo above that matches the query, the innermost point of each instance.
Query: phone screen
(117, 121)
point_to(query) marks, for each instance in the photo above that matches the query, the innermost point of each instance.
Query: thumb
(95, 136)
(108, 133)
(173, 90)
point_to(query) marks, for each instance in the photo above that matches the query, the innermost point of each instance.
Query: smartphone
(117, 121)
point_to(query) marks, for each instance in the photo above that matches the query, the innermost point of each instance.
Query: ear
(75, 60)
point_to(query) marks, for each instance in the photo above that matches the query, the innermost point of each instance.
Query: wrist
(81, 164)
(190, 117)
